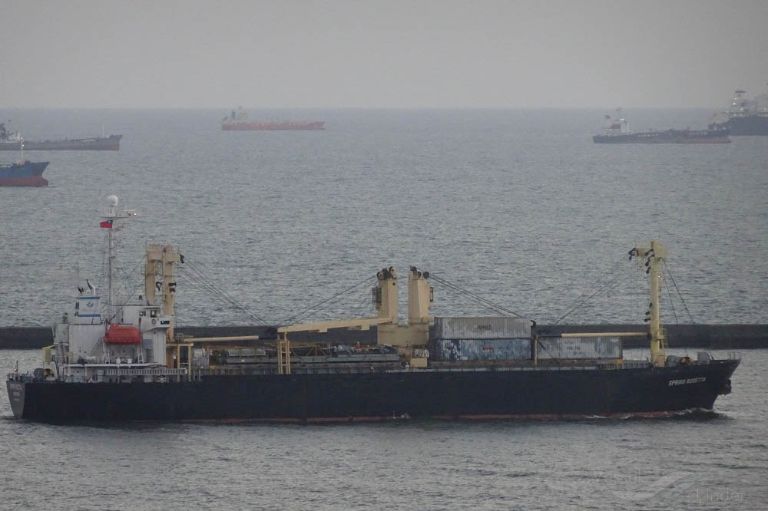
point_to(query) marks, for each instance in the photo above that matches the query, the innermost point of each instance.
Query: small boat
(23, 173)
(11, 141)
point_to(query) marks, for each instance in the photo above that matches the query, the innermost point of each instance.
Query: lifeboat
(122, 334)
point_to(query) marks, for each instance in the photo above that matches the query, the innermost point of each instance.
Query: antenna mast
(108, 222)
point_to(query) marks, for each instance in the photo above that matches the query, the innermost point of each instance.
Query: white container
(451, 350)
(493, 327)
(576, 348)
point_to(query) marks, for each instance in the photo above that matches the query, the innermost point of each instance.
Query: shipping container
(451, 350)
(246, 352)
(579, 348)
(200, 358)
(482, 328)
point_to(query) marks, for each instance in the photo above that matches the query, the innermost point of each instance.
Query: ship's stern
(16, 393)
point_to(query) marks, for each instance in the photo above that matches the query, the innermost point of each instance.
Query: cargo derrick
(486, 342)
(410, 340)
(652, 258)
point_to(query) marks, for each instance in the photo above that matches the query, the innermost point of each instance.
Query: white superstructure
(112, 341)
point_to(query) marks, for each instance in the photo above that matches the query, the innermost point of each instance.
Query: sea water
(517, 207)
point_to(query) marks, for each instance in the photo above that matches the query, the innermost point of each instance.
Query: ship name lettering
(683, 381)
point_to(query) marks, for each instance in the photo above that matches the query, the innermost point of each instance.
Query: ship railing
(489, 369)
(25, 377)
(17, 376)
(145, 372)
(260, 371)
(31, 378)
(635, 364)
(734, 355)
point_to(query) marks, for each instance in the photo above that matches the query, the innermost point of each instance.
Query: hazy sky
(390, 53)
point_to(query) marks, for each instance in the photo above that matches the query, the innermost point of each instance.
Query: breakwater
(722, 336)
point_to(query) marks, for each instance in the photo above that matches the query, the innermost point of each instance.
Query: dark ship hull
(110, 143)
(25, 173)
(718, 136)
(752, 125)
(503, 393)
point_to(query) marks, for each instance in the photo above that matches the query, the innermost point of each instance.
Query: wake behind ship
(123, 362)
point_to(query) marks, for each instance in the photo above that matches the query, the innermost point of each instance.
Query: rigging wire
(124, 279)
(304, 312)
(483, 301)
(362, 306)
(672, 304)
(196, 283)
(197, 277)
(606, 286)
(672, 278)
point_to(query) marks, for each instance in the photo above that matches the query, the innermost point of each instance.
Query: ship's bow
(729, 367)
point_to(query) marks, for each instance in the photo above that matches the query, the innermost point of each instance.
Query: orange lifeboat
(122, 334)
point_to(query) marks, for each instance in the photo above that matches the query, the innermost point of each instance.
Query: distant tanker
(745, 116)
(238, 121)
(12, 141)
(617, 132)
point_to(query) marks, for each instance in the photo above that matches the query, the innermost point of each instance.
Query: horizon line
(227, 109)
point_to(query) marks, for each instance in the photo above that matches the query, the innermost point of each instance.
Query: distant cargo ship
(11, 141)
(23, 173)
(617, 132)
(745, 116)
(238, 121)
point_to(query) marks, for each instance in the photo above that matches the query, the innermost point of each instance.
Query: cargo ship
(745, 117)
(238, 121)
(23, 173)
(617, 132)
(11, 141)
(122, 361)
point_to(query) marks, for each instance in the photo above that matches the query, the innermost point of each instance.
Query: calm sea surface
(688, 463)
(519, 207)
